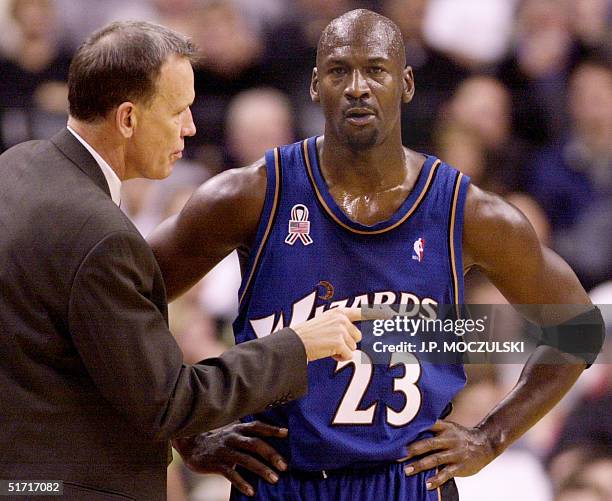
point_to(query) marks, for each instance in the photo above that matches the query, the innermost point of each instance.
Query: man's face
(162, 123)
(590, 98)
(361, 84)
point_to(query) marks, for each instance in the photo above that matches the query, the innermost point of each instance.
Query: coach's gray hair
(121, 62)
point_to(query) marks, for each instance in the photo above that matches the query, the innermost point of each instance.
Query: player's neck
(379, 167)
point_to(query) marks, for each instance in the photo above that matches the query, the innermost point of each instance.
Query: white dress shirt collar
(113, 181)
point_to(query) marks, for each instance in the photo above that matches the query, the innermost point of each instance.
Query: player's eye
(337, 70)
(376, 69)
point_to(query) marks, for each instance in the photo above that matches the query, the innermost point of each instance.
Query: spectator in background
(33, 90)
(195, 330)
(290, 50)
(573, 180)
(481, 107)
(436, 74)
(176, 14)
(590, 478)
(587, 423)
(263, 13)
(476, 32)
(147, 203)
(599, 474)
(566, 461)
(462, 149)
(576, 490)
(590, 23)
(78, 19)
(9, 33)
(257, 120)
(585, 433)
(538, 68)
(229, 62)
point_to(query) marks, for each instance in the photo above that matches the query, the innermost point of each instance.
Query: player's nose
(357, 86)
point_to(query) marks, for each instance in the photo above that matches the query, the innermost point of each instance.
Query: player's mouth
(359, 116)
(177, 155)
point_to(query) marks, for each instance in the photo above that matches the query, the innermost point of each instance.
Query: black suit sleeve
(125, 344)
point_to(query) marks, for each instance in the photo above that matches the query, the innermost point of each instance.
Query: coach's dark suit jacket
(92, 383)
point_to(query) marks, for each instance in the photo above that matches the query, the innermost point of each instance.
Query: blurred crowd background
(515, 93)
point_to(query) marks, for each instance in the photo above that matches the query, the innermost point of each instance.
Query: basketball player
(352, 218)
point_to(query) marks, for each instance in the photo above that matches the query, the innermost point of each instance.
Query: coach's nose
(188, 127)
(357, 86)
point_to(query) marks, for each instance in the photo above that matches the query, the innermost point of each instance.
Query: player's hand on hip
(455, 450)
(241, 444)
(331, 334)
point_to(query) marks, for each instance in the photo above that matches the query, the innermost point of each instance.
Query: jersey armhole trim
(270, 217)
(454, 244)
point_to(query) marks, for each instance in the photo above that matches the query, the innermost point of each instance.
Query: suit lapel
(76, 152)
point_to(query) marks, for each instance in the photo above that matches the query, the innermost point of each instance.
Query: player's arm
(499, 241)
(222, 215)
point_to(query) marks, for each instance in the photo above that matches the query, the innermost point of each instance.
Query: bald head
(362, 27)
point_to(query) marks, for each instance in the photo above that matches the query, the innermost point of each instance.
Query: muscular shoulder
(244, 187)
(499, 240)
(228, 206)
(222, 215)
(494, 228)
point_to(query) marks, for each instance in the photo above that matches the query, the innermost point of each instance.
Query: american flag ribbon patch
(299, 226)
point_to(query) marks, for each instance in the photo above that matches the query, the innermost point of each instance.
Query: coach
(92, 384)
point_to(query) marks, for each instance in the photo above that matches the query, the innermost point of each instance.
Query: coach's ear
(125, 119)
(314, 86)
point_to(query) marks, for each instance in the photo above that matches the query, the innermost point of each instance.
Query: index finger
(265, 430)
(426, 445)
(439, 425)
(375, 312)
(353, 314)
(378, 312)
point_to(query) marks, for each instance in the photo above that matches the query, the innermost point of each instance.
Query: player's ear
(408, 87)
(125, 119)
(314, 86)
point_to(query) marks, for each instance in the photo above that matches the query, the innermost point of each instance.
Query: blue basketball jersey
(309, 256)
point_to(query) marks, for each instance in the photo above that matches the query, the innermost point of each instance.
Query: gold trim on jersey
(451, 236)
(277, 182)
(330, 212)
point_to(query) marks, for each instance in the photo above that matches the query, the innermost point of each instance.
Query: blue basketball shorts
(386, 482)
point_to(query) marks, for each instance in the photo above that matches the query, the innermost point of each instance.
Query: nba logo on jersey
(418, 250)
